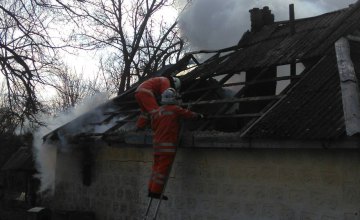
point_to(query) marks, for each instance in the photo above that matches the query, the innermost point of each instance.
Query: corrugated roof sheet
(274, 44)
(311, 110)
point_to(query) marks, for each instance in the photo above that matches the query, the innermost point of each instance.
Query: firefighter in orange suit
(165, 125)
(146, 94)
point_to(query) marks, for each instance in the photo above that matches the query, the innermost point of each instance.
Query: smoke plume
(45, 152)
(214, 24)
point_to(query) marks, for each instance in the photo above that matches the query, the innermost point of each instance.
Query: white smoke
(215, 24)
(45, 153)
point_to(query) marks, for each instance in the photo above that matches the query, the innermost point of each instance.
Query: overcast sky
(215, 24)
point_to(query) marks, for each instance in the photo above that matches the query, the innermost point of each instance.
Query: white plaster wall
(219, 184)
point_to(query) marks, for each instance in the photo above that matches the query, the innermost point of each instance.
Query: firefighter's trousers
(148, 104)
(160, 172)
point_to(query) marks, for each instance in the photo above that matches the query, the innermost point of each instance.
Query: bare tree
(26, 52)
(71, 88)
(8, 119)
(137, 44)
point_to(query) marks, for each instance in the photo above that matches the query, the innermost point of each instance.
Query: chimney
(260, 17)
(256, 19)
(268, 18)
(292, 19)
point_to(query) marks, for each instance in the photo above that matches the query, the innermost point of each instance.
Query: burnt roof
(310, 107)
(311, 110)
(274, 44)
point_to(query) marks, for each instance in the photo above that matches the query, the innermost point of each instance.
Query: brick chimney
(268, 18)
(260, 17)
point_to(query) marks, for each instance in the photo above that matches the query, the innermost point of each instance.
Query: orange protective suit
(165, 125)
(145, 96)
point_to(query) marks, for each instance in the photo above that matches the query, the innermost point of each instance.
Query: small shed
(20, 185)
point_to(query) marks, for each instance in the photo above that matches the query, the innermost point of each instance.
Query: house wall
(218, 184)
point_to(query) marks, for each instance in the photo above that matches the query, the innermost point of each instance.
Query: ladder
(157, 207)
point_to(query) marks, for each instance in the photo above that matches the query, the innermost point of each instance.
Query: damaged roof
(311, 110)
(242, 90)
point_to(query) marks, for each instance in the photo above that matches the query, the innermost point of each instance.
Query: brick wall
(218, 184)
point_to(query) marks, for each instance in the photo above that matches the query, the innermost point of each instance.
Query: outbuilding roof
(21, 160)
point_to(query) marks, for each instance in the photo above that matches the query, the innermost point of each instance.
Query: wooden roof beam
(243, 83)
(221, 101)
